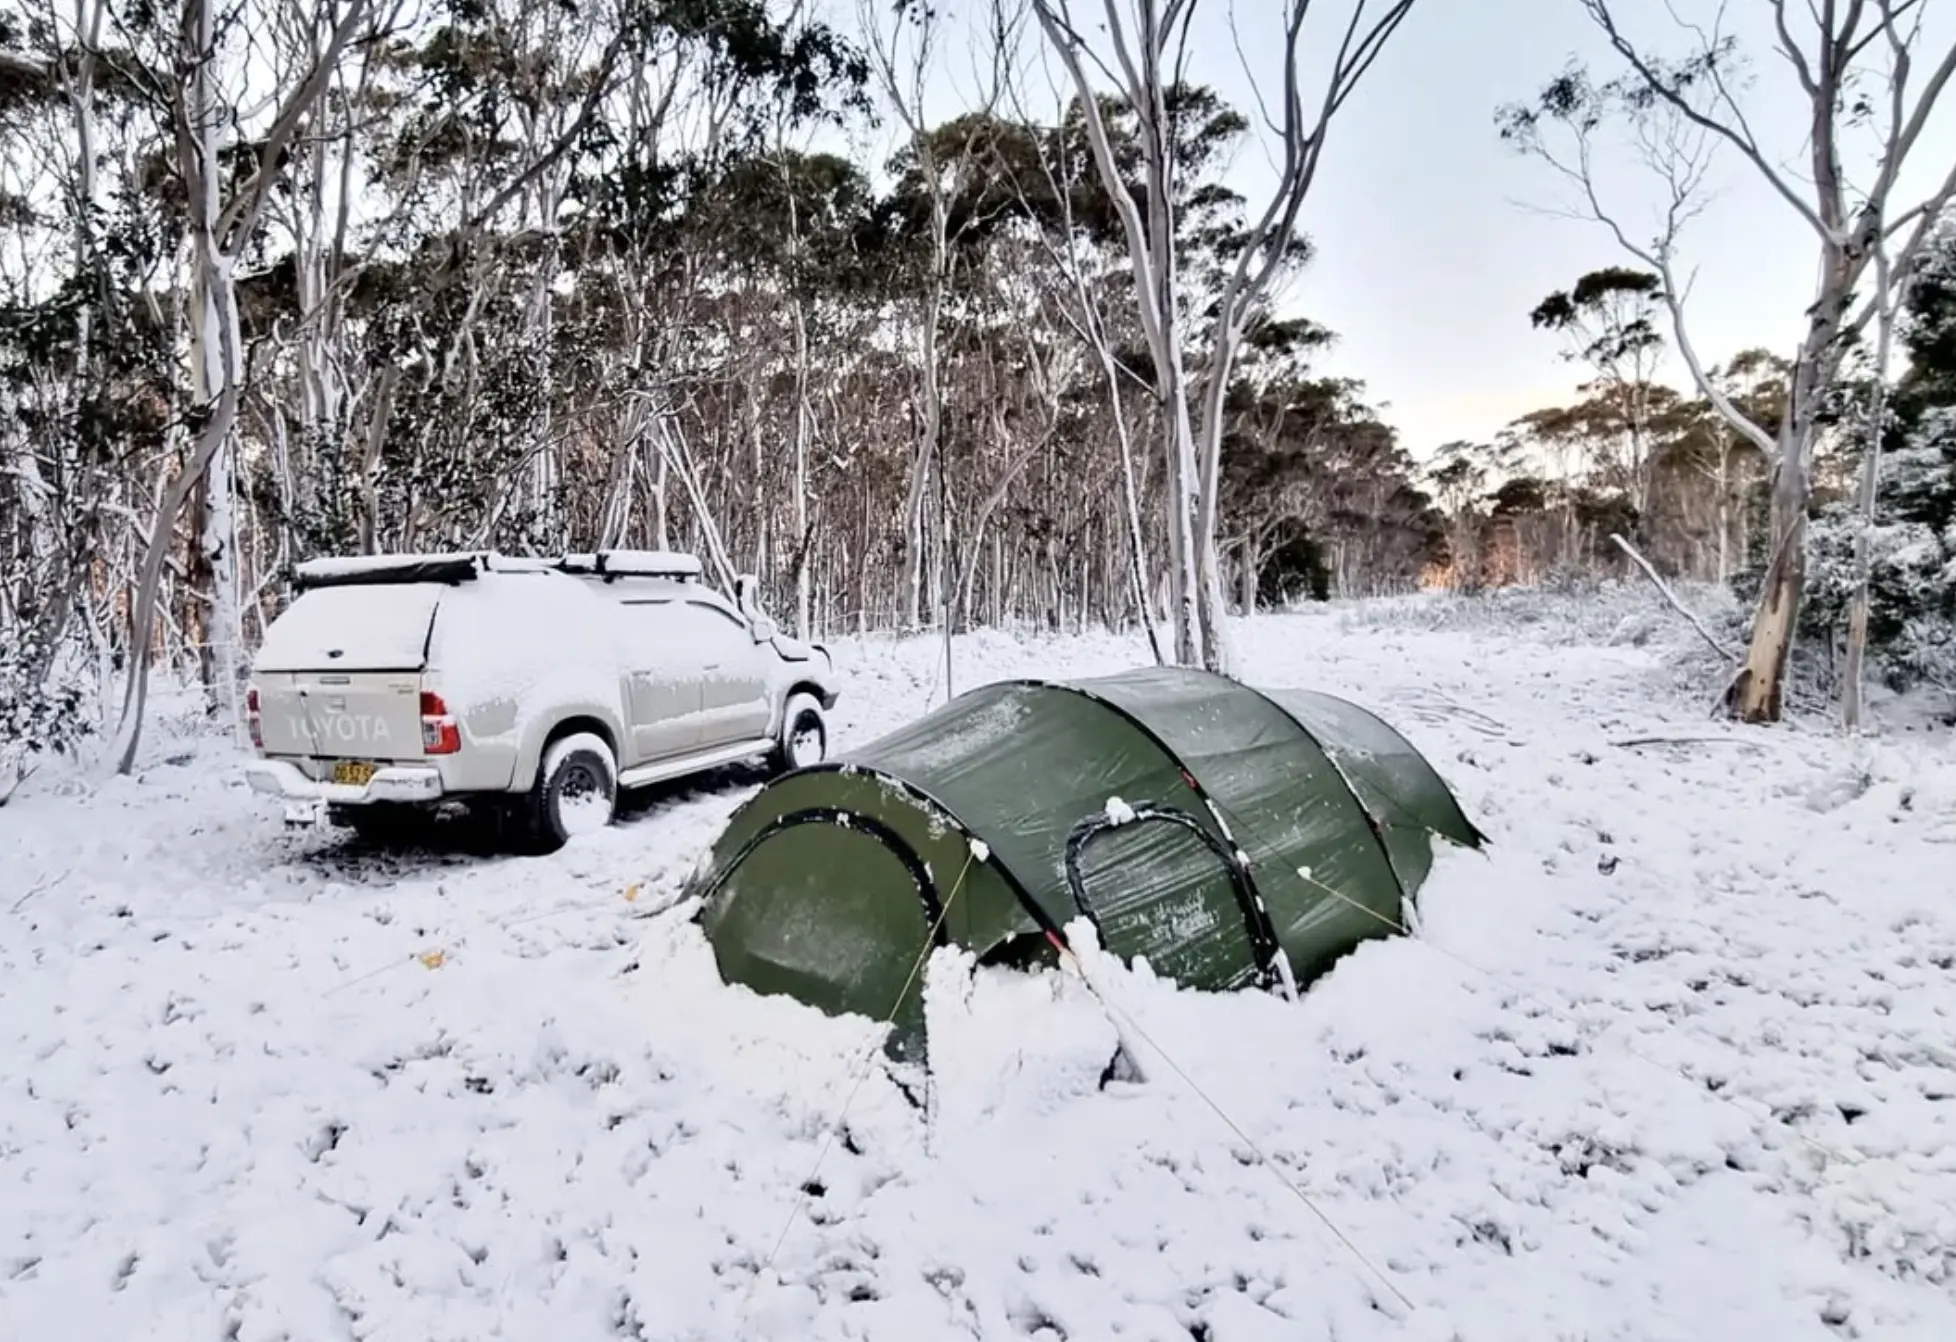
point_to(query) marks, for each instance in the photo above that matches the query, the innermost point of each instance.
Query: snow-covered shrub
(39, 715)
(1571, 577)
(1912, 545)
(1912, 561)
(1599, 611)
(1637, 628)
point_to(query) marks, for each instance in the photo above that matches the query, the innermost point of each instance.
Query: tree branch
(239, 218)
(1739, 137)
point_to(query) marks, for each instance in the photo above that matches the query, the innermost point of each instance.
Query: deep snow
(1674, 1059)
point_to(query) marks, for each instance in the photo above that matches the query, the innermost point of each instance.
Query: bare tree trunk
(216, 364)
(620, 496)
(1191, 550)
(368, 464)
(804, 412)
(323, 430)
(552, 520)
(1757, 692)
(930, 412)
(757, 496)
(1251, 559)
(804, 428)
(217, 426)
(1857, 624)
(34, 498)
(1151, 253)
(661, 518)
(1724, 511)
(1131, 510)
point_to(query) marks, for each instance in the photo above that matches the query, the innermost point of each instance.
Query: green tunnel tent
(1250, 823)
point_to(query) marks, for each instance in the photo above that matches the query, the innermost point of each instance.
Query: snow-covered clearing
(257, 1086)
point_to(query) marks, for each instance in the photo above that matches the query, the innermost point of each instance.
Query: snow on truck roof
(450, 568)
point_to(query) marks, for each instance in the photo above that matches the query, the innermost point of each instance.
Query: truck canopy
(353, 628)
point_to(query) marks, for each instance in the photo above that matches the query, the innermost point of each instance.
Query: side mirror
(764, 628)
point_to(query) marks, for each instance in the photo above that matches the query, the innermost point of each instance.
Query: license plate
(354, 773)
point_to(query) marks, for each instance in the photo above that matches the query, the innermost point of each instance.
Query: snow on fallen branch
(1664, 589)
(1634, 742)
(42, 886)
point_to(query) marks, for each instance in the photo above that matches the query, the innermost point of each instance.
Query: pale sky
(1432, 243)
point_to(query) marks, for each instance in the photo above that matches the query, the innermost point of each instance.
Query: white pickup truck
(541, 687)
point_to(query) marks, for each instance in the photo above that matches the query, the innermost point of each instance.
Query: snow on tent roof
(826, 884)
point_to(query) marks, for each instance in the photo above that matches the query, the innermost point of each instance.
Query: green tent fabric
(1232, 836)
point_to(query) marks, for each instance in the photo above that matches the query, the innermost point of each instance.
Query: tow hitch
(305, 814)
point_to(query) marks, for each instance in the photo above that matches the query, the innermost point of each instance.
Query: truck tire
(804, 738)
(576, 792)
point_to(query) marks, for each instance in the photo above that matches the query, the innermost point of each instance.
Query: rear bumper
(394, 783)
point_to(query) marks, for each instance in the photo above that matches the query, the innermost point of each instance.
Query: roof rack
(610, 564)
(387, 570)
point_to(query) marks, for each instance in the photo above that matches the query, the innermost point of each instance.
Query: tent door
(1161, 885)
(835, 910)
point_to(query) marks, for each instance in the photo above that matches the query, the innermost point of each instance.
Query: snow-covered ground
(1674, 1059)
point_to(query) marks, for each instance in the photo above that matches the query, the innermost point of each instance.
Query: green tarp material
(1264, 821)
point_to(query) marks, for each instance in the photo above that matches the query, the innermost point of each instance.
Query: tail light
(253, 719)
(440, 733)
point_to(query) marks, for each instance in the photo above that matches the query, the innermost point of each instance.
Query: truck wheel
(804, 734)
(576, 791)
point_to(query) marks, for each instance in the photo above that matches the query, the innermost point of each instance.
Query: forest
(284, 278)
